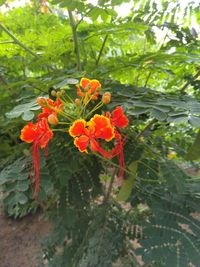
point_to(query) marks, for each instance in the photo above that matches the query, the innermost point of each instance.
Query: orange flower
(49, 107)
(98, 127)
(90, 88)
(39, 134)
(101, 127)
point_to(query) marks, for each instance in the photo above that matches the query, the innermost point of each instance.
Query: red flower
(90, 89)
(101, 127)
(39, 134)
(98, 127)
(118, 118)
(49, 107)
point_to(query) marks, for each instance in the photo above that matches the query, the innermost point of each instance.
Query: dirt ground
(20, 240)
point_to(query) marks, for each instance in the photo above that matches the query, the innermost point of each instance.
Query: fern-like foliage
(15, 186)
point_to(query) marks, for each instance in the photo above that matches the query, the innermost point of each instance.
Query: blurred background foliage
(147, 54)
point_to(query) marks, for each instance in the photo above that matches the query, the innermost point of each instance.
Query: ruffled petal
(77, 128)
(84, 83)
(119, 119)
(82, 143)
(103, 128)
(44, 133)
(52, 108)
(28, 133)
(94, 85)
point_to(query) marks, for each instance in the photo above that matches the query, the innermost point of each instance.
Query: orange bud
(52, 119)
(77, 101)
(41, 101)
(106, 98)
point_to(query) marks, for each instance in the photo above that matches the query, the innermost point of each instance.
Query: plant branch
(75, 38)
(77, 24)
(101, 50)
(147, 79)
(188, 83)
(148, 126)
(17, 41)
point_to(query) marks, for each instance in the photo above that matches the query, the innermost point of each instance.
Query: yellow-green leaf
(194, 151)
(128, 184)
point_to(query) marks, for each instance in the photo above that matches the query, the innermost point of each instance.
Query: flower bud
(58, 94)
(106, 98)
(41, 101)
(52, 119)
(53, 92)
(77, 101)
(62, 91)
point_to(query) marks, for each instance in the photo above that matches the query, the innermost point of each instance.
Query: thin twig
(17, 41)
(77, 24)
(7, 42)
(148, 126)
(101, 50)
(189, 82)
(75, 38)
(147, 79)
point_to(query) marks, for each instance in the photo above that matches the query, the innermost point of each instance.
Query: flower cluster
(88, 128)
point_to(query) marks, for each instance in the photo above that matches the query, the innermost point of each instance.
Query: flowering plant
(90, 130)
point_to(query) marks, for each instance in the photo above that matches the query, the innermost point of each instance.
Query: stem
(17, 41)
(101, 50)
(94, 109)
(59, 130)
(7, 42)
(75, 38)
(146, 128)
(107, 195)
(188, 83)
(112, 163)
(147, 79)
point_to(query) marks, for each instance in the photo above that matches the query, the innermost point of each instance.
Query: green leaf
(158, 114)
(28, 115)
(24, 110)
(128, 184)
(194, 151)
(178, 119)
(195, 121)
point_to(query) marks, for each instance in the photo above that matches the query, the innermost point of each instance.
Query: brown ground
(20, 240)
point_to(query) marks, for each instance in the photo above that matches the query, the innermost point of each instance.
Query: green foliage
(149, 60)
(128, 184)
(16, 186)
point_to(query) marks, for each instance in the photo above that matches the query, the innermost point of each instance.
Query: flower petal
(103, 128)
(84, 83)
(77, 128)
(79, 92)
(44, 134)
(119, 119)
(94, 85)
(28, 133)
(81, 143)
